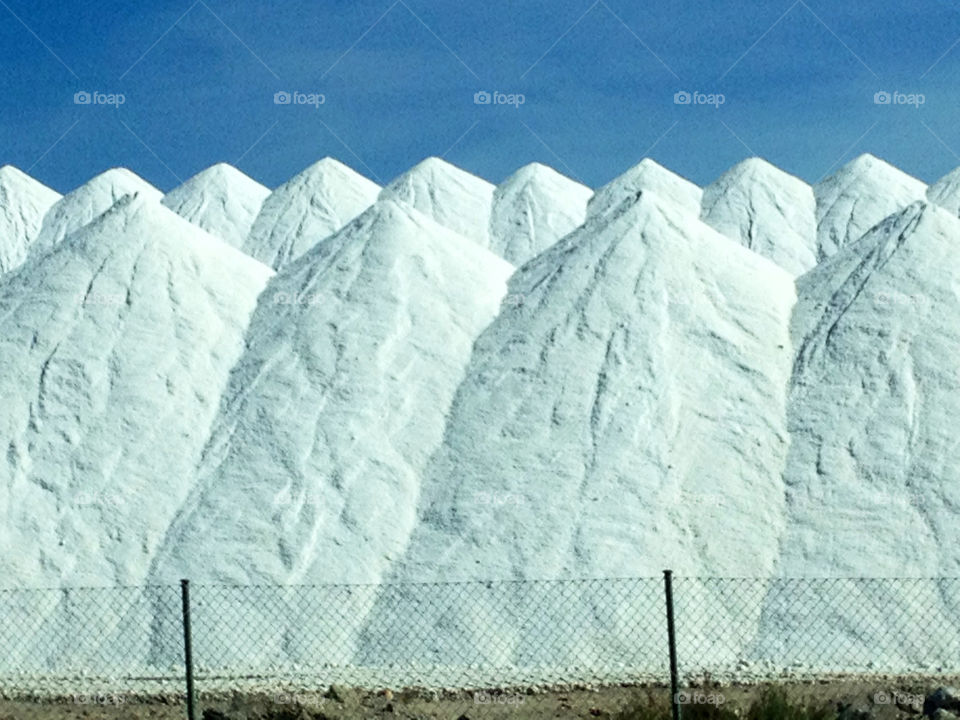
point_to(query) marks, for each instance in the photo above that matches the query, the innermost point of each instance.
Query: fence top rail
(73, 588)
(770, 579)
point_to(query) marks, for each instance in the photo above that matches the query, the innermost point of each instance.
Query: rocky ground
(828, 700)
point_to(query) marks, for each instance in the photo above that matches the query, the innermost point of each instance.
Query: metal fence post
(672, 642)
(187, 646)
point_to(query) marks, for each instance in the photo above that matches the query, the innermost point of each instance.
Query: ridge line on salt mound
(23, 203)
(83, 204)
(857, 197)
(864, 266)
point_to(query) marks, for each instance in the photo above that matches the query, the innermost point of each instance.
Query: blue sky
(399, 77)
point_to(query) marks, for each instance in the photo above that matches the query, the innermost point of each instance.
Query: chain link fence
(495, 640)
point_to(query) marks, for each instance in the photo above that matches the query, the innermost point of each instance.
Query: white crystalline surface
(221, 200)
(648, 359)
(870, 478)
(766, 210)
(353, 357)
(858, 196)
(629, 415)
(309, 207)
(532, 209)
(23, 203)
(452, 197)
(115, 347)
(94, 197)
(398, 403)
(647, 175)
(874, 391)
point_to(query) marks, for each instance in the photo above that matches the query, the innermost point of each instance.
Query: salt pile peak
(306, 209)
(23, 203)
(858, 196)
(221, 200)
(647, 175)
(94, 197)
(452, 197)
(767, 210)
(532, 209)
(354, 353)
(116, 345)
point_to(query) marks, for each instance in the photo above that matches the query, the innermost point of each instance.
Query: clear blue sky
(399, 77)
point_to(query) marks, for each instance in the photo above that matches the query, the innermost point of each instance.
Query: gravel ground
(883, 699)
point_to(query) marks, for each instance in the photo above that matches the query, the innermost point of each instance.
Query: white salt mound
(306, 209)
(450, 196)
(94, 197)
(115, 346)
(532, 209)
(649, 176)
(858, 196)
(766, 210)
(221, 200)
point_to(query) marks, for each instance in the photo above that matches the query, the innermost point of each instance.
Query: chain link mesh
(812, 627)
(434, 635)
(477, 643)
